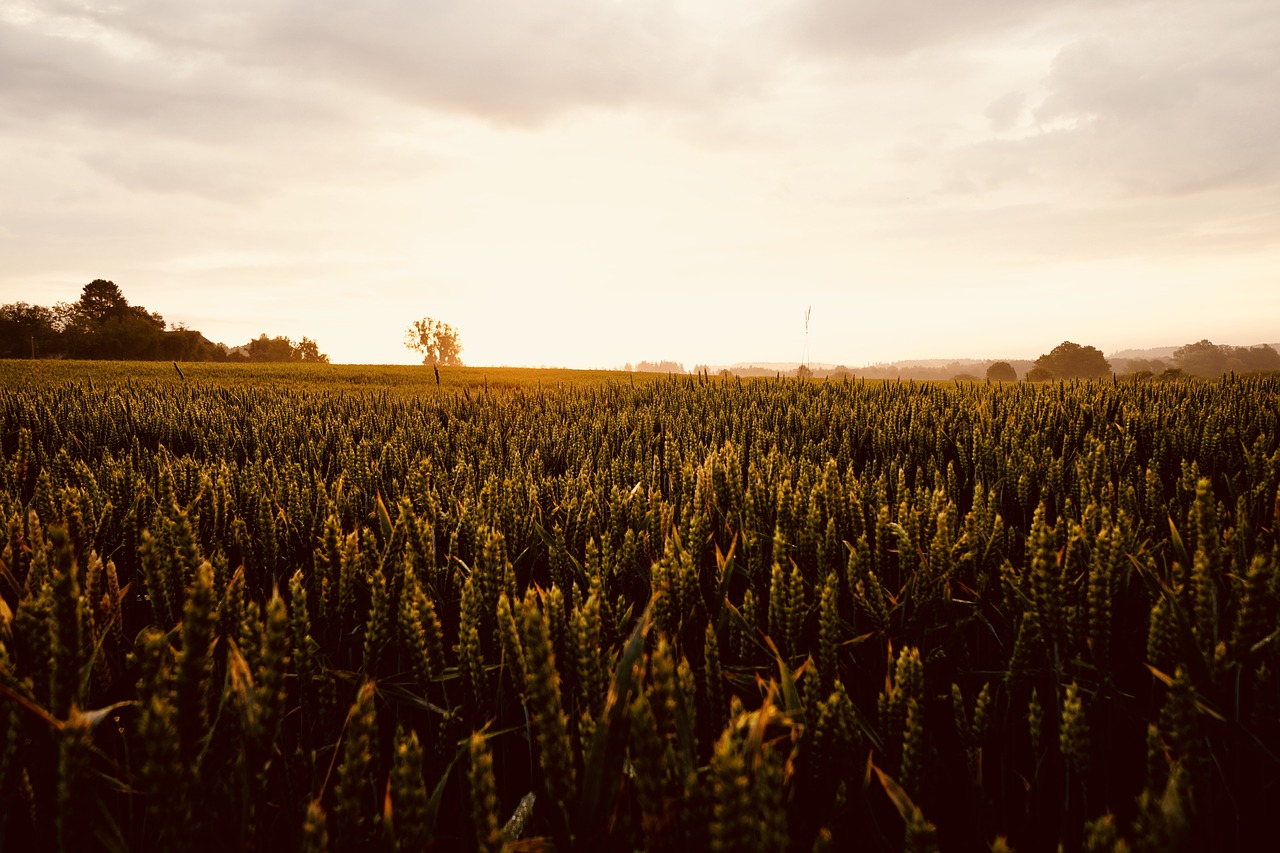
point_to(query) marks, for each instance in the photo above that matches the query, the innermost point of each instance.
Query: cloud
(860, 29)
(1061, 98)
(1133, 115)
(1003, 112)
(232, 100)
(72, 68)
(509, 62)
(1172, 119)
(160, 104)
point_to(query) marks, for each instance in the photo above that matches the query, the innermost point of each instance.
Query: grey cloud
(163, 109)
(1149, 115)
(54, 78)
(1003, 112)
(876, 28)
(284, 60)
(514, 62)
(260, 78)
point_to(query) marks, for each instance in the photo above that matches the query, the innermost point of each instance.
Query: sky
(587, 183)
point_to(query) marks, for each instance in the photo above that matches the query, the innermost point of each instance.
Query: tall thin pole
(805, 358)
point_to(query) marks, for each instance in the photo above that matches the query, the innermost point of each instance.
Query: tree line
(101, 324)
(1068, 360)
(1203, 359)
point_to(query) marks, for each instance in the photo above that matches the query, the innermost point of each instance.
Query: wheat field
(340, 608)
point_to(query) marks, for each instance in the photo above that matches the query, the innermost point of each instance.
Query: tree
(308, 351)
(183, 344)
(26, 330)
(659, 367)
(437, 341)
(101, 299)
(276, 349)
(1072, 361)
(1207, 359)
(1001, 371)
(1144, 365)
(1261, 357)
(131, 335)
(102, 324)
(1203, 358)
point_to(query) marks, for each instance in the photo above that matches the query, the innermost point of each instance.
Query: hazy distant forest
(1068, 360)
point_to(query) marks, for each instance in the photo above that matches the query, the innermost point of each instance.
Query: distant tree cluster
(655, 367)
(1207, 359)
(264, 349)
(101, 324)
(1144, 366)
(1203, 359)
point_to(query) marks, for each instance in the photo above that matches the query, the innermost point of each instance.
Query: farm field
(349, 608)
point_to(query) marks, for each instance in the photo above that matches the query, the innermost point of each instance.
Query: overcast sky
(591, 182)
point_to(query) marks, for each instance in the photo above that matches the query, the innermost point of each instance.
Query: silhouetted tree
(182, 344)
(73, 330)
(26, 331)
(263, 348)
(132, 335)
(1207, 359)
(1001, 371)
(101, 299)
(1203, 358)
(105, 325)
(280, 349)
(1072, 361)
(437, 341)
(309, 351)
(1261, 357)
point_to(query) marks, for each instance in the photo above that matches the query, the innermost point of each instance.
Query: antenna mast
(804, 360)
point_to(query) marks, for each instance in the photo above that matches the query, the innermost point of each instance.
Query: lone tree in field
(1072, 361)
(437, 341)
(1001, 371)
